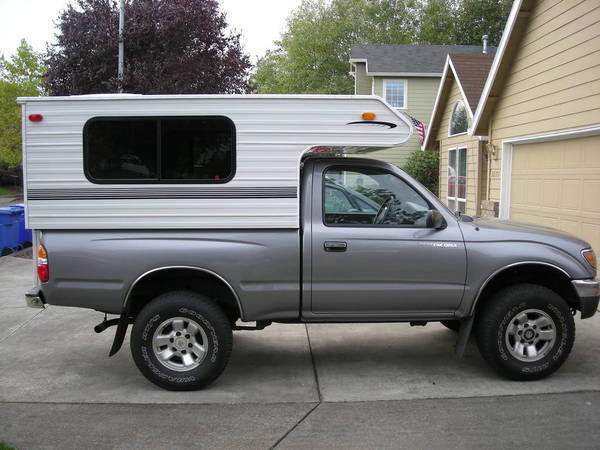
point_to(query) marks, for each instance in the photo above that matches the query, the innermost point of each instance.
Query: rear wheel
(181, 341)
(525, 332)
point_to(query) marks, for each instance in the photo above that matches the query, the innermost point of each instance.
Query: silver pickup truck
(374, 246)
(193, 216)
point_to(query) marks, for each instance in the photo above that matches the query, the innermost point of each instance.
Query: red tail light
(42, 265)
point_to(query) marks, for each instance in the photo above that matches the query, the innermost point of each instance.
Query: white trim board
(507, 153)
(493, 73)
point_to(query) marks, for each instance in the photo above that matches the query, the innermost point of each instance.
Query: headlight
(590, 257)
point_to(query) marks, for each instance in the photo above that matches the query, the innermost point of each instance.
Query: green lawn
(5, 447)
(5, 191)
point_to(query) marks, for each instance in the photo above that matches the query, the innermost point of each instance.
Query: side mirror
(434, 219)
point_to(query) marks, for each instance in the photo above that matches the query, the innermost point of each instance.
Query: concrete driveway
(341, 386)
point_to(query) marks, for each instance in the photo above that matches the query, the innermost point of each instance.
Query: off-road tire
(494, 319)
(215, 325)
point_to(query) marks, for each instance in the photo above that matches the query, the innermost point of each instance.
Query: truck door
(371, 252)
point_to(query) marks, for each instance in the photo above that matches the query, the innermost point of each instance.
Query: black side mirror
(434, 219)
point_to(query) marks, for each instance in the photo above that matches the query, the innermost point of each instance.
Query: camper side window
(159, 150)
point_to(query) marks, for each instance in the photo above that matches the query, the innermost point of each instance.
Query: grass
(5, 447)
(5, 191)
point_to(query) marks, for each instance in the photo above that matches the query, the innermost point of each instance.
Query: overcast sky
(260, 22)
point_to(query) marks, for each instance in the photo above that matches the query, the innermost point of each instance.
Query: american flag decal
(420, 126)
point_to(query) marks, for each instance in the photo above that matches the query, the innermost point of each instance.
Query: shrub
(424, 167)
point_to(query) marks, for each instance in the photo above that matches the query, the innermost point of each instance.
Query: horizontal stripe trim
(157, 193)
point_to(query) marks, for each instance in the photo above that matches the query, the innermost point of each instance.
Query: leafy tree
(476, 18)
(312, 55)
(20, 76)
(437, 20)
(424, 167)
(462, 21)
(171, 46)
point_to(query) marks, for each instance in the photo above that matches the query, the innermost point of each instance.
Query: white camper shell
(132, 161)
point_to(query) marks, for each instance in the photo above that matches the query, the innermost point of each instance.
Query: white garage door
(557, 184)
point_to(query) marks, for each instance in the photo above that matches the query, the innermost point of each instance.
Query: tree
(312, 54)
(476, 18)
(424, 167)
(20, 76)
(171, 46)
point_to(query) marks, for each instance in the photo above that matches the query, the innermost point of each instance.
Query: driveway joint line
(24, 324)
(281, 439)
(314, 364)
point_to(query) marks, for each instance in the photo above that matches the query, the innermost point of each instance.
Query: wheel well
(175, 279)
(543, 275)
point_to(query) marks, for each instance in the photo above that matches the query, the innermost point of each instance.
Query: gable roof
(470, 74)
(511, 37)
(409, 59)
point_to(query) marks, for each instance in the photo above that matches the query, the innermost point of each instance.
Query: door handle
(335, 246)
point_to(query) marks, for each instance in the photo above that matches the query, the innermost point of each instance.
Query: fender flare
(124, 317)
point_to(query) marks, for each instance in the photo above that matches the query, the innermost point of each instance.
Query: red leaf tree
(171, 47)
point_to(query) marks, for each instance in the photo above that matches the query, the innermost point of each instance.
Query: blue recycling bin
(24, 233)
(9, 230)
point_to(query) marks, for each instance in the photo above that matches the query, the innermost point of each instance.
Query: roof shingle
(472, 72)
(410, 58)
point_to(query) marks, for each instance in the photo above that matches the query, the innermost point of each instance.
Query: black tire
(453, 325)
(502, 311)
(215, 329)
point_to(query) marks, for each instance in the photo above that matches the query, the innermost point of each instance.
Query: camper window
(159, 149)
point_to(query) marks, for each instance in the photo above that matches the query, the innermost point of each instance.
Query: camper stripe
(160, 193)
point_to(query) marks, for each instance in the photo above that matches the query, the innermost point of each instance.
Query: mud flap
(120, 332)
(466, 325)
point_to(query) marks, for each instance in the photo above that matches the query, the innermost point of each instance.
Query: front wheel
(525, 332)
(181, 341)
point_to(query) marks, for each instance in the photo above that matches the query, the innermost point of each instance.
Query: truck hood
(495, 230)
(507, 230)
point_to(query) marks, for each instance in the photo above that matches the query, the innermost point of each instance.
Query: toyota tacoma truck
(216, 227)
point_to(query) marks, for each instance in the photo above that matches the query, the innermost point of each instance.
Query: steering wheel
(383, 211)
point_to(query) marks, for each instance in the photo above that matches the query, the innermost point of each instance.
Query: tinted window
(121, 149)
(372, 197)
(171, 149)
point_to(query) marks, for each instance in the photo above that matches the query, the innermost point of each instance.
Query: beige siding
(421, 92)
(554, 81)
(362, 82)
(462, 141)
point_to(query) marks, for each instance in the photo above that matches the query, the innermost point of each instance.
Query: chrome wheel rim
(180, 344)
(530, 335)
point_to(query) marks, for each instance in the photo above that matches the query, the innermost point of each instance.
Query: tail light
(42, 264)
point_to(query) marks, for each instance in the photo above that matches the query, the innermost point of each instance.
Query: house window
(159, 149)
(459, 121)
(457, 180)
(394, 92)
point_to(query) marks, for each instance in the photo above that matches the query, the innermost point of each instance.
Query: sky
(260, 22)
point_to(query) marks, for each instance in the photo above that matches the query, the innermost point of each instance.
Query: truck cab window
(369, 196)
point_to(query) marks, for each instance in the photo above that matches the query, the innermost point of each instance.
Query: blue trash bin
(24, 233)
(9, 230)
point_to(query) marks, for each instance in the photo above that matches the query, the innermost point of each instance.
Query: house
(407, 77)
(462, 156)
(539, 118)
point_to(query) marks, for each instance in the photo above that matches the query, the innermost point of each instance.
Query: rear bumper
(34, 298)
(588, 292)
